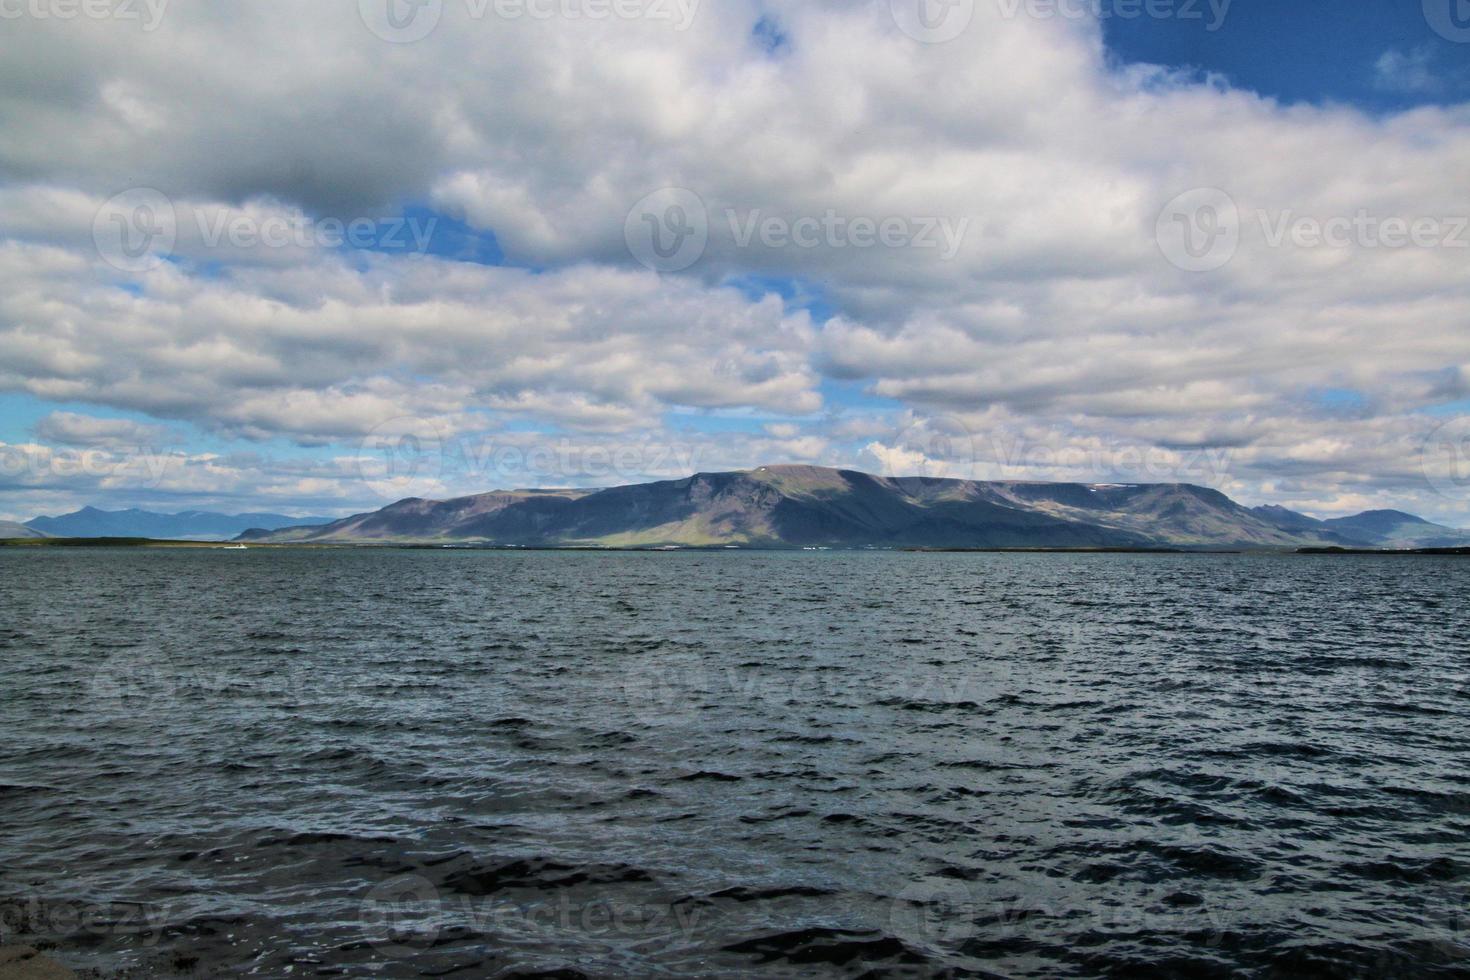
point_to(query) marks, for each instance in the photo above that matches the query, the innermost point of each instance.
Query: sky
(314, 258)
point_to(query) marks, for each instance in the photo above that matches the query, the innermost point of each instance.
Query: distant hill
(10, 529)
(1395, 529)
(809, 506)
(1378, 528)
(90, 522)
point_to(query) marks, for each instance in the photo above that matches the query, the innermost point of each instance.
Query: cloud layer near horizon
(1058, 340)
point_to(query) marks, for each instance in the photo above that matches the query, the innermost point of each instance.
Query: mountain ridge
(90, 522)
(796, 506)
(1381, 528)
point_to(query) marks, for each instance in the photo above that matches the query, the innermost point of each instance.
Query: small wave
(743, 893)
(707, 775)
(834, 947)
(536, 873)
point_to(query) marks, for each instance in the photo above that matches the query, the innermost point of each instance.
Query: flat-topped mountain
(811, 506)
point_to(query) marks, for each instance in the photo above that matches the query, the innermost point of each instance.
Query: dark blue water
(405, 763)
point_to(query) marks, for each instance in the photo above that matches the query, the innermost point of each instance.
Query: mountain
(10, 529)
(810, 506)
(1374, 528)
(1395, 529)
(90, 522)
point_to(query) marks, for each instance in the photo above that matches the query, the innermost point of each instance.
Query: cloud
(330, 348)
(1407, 72)
(74, 429)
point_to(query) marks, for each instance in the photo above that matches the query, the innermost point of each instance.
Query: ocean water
(448, 763)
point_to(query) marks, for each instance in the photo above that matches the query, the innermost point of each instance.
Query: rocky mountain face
(809, 506)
